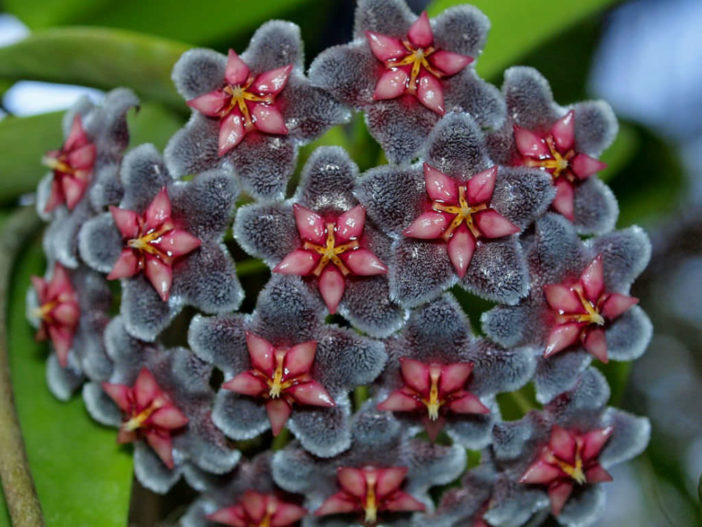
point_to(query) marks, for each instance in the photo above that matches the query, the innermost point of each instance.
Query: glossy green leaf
(198, 22)
(82, 476)
(97, 57)
(518, 26)
(29, 137)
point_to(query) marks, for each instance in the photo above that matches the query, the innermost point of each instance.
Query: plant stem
(17, 482)
(249, 267)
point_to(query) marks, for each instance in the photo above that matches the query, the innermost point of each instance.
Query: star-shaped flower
(578, 302)
(72, 167)
(84, 176)
(406, 71)
(71, 308)
(284, 366)
(148, 413)
(161, 400)
(564, 142)
(282, 376)
(559, 455)
(172, 231)
(383, 479)
(251, 112)
(454, 217)
(245, 103)
(322, 234)
(244, 497)
(460, 215)
(152, 244)
(415, 66)
(58, 311)
(439, 376)
(582, 308)
(332, 249)
(433, 389)
(370, 490)
(569, 459)
(259, 510)
(555, 153)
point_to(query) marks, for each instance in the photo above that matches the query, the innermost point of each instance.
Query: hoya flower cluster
(356, 344)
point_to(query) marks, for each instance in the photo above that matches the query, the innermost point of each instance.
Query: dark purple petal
(522, 194)
(349, 72)
(324, 432)
(145, 314)
(529, 99)
(150, 470)
(595, 127)
(143, 175)
(198, 71)
(389, 17)
(584, 506)
(467, 92)
(367, 305)
(327, 181)
(629, 438)
(100, 243)
(625, 254)
(275, 44)
(559, 373)
(507, 325)
(461, 29)
(61, 236)
(239, 417)
(63, 382)
(221, 341)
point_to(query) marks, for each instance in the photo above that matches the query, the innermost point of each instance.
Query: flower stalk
(17, 483)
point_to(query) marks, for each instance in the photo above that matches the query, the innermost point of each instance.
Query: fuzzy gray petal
(522, 194)
(559, 373)
(393, 196)
(150, 470)
(145, 314)
(498, 272)
(275, 44)
(266, 231)
(143, 175)
(100, 406)
(100, 243)
(629, 438)
(629, 335)
(221, 341)
(328, 180)
(595, 127)
(63, 382)
(529, 98)
(625, 254)
(323, 432)
(467, 92)
(462, 29)
(421, 271)
(389, 17)
(198, 71)
(239, 417)
(456, 147)
(595, 207)
(366, 304)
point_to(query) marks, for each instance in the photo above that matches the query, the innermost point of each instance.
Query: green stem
(249, 267)
(282, 439)
(521, 401)
(17, 482)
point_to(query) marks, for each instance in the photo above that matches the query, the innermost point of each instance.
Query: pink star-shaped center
(568, 459)
(370, 490)
(460, 214)
(554, 152)
(72, 166)
(414, 65)
(436, 389)
(148, 413)
(255, 509)
(582, 308)
(331, 251)
(245, 103)
(58, 311)
(152, 244)
(282, 376)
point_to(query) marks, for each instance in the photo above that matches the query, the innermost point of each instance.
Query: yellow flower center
(463, 213)
(330, 251)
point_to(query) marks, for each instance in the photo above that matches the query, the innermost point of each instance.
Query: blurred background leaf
(82, 476)
(29, 137)
(96, 57)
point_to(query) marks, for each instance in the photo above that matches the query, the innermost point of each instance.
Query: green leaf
(28, 138)
(101, 58)
(518, 26)
(82, 476)
(198, 22)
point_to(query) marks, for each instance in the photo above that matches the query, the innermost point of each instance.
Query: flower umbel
(152, 244)
(72, 167)
(414, 65)
(331, 251)
(370, 490)
(245, 103)
(58, 311)
(460, 214)
(148, 412)
(281, 376)
(568, 459)
(582, 309)
(256, 509)
(555, 153)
